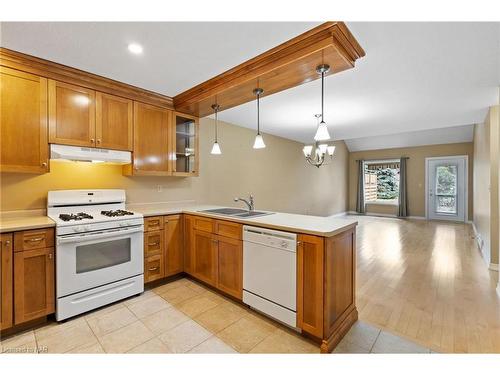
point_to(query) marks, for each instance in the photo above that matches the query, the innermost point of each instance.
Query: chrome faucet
(248, 202)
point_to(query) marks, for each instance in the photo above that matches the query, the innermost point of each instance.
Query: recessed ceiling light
(135, 48)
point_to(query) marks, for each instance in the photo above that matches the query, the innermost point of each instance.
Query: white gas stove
(99, 249)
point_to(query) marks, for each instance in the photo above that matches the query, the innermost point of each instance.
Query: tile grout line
(379, 332)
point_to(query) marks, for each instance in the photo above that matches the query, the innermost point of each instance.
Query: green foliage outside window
(387, 183)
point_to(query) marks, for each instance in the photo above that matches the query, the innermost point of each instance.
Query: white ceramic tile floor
(158, 321)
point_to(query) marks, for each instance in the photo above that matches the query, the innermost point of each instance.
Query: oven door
(88, 260)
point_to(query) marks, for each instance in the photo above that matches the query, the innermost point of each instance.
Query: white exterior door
(446, 188)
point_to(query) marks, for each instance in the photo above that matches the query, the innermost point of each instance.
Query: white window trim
(381, 202)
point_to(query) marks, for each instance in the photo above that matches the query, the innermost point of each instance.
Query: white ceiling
(176, 57)
(415, 76)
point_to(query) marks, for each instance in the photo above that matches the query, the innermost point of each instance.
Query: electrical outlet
(159, 188)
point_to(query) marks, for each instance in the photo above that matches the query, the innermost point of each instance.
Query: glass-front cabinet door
(185, 147)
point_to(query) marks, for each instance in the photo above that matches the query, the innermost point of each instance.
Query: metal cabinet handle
(153, 244)
(98, 141)
(7, 242)
(44, 164)
(92, 140)
(153, 269)
(34, 239)
(50, 256)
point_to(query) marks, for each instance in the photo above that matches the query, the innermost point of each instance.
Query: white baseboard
(483, 250)
(386, 215)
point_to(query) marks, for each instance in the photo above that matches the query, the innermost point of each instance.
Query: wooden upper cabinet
(310, 268)
(184, 146)
(71, 115)
(33, 284)
(151, 141)
(174, 246)
(114, 122)
(23, 119)
(204, 262)
(230, 266)
(6, 281)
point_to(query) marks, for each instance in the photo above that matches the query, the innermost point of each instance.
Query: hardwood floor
(426, 280)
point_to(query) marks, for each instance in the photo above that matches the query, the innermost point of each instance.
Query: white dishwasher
(270, 273)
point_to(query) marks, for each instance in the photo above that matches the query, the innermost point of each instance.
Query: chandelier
(321, 152)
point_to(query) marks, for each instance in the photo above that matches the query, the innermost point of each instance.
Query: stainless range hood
(75, 153)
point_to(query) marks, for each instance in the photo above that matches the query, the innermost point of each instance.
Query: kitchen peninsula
(209, 248)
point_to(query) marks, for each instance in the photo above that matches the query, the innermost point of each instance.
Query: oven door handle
(99, 235)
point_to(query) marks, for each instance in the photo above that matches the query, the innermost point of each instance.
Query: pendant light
(259, 141)
(322, 131)
(216, 148)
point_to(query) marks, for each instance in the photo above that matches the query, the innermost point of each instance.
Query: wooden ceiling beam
(287, 65)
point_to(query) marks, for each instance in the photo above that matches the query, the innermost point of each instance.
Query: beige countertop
(316, 225)
(12, 224)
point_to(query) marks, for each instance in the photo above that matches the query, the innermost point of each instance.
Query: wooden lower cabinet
(310, 252)
(174, 245)
(163, 247)
(6, 281)
(213, 253)
(188, 243)
(230, 266)
(33, 284)
(326, 285)
(204, 260)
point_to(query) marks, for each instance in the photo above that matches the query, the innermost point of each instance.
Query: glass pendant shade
(216, 149)
(307, 150)
(259, 142)
(322, 133)
(323, 148)
(331, 150)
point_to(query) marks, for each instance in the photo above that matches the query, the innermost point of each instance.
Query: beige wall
(278, 176)
(416, 174)
(482, 165)
(494, 116)
(487, 179)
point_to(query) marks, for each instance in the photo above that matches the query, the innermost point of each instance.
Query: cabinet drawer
(153, 243)
(228, 229)
(204, 224)
(153, 268)
(153, 223)
(170, 217)
(33, 239)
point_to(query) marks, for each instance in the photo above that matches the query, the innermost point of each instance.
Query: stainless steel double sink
(236, 212)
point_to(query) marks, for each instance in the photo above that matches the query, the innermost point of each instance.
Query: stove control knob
(78, 229)
(86, 228)
(284, 244)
